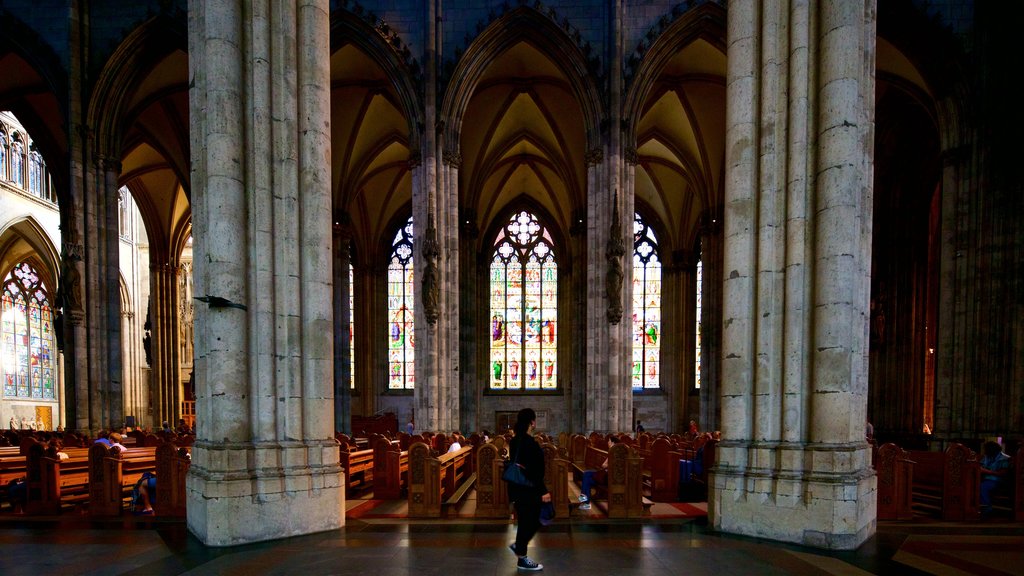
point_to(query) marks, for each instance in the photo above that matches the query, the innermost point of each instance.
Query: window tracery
(646, 373)
(524, 307)
(401, 317)
(26, 329)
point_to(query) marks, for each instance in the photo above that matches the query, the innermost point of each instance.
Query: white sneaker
(585, 506)
(583, 498)
(526, 564)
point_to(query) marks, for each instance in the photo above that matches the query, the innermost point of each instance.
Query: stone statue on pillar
(613, 277)
(431, 253)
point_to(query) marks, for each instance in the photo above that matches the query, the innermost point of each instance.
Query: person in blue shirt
(995, 467)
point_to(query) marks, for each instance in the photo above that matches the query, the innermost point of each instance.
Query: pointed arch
(519, 24)
(127, 67)
(347, 28)
(707, 21)
(26, 228)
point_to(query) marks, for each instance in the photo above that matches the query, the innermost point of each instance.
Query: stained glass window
(646, 374)
(27, 335)
(35, 174)
(700, 290)
(401, 372)
(524, 307)
(17, 176)
(3, 157)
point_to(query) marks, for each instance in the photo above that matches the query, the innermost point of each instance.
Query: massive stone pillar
(794, 465)
(265, 464)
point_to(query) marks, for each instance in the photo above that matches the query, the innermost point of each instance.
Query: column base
(833, 507)
(228, 508)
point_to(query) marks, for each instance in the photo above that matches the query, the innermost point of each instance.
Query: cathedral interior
(273, 220)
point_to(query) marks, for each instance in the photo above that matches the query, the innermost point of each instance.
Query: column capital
(594, 156)
(109, 164)
(452, 158)
(630, 156)
(415, 159)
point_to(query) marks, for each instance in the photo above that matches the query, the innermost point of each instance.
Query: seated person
(145, 490)
(593, 478)
(54, 450)
(115, 442)
(17, 494)
(995, 467)
(102, 437)
(455, 446)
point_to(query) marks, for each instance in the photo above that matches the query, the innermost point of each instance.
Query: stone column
(265, 464)
(100, 395)
(794, 465)
(165, 347)
(342, 326)
(594, 387)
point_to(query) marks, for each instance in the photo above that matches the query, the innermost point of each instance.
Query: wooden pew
(625, 483)
(946, 482)
(434, 481)
(171, 470)
(1018, 485)
(390, 469)
(491, 492)
(53, 483)
(556, 478)
(663, 463)
(358, 465)
(895, 483)
(113, 474)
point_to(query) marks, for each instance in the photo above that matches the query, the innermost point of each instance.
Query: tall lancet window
(524, 307)
(700, 290)
(351, 328)
(35, 174)
(646, 307)
(3, 156)
(401, 367)
(17, 164)
(27, 335)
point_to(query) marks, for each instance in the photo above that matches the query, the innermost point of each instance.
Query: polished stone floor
(79, 545)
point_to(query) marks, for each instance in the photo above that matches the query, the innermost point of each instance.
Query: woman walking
(526, 453)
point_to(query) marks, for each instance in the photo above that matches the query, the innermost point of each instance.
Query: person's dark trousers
(528, 515)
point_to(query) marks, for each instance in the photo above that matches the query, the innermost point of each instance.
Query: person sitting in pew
(115, 442)
(593, 478)
(102, 437)
(455, 446)
(142, 495)
(995, 467)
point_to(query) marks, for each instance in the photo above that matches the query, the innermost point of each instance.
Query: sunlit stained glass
(524, 307)
(27, 335)
(700, 290)
(351, 328)
(401, 372)
(646, 373)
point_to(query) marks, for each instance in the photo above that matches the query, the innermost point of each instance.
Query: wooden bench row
(102, 479)
(940, 484)
(436, 482)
